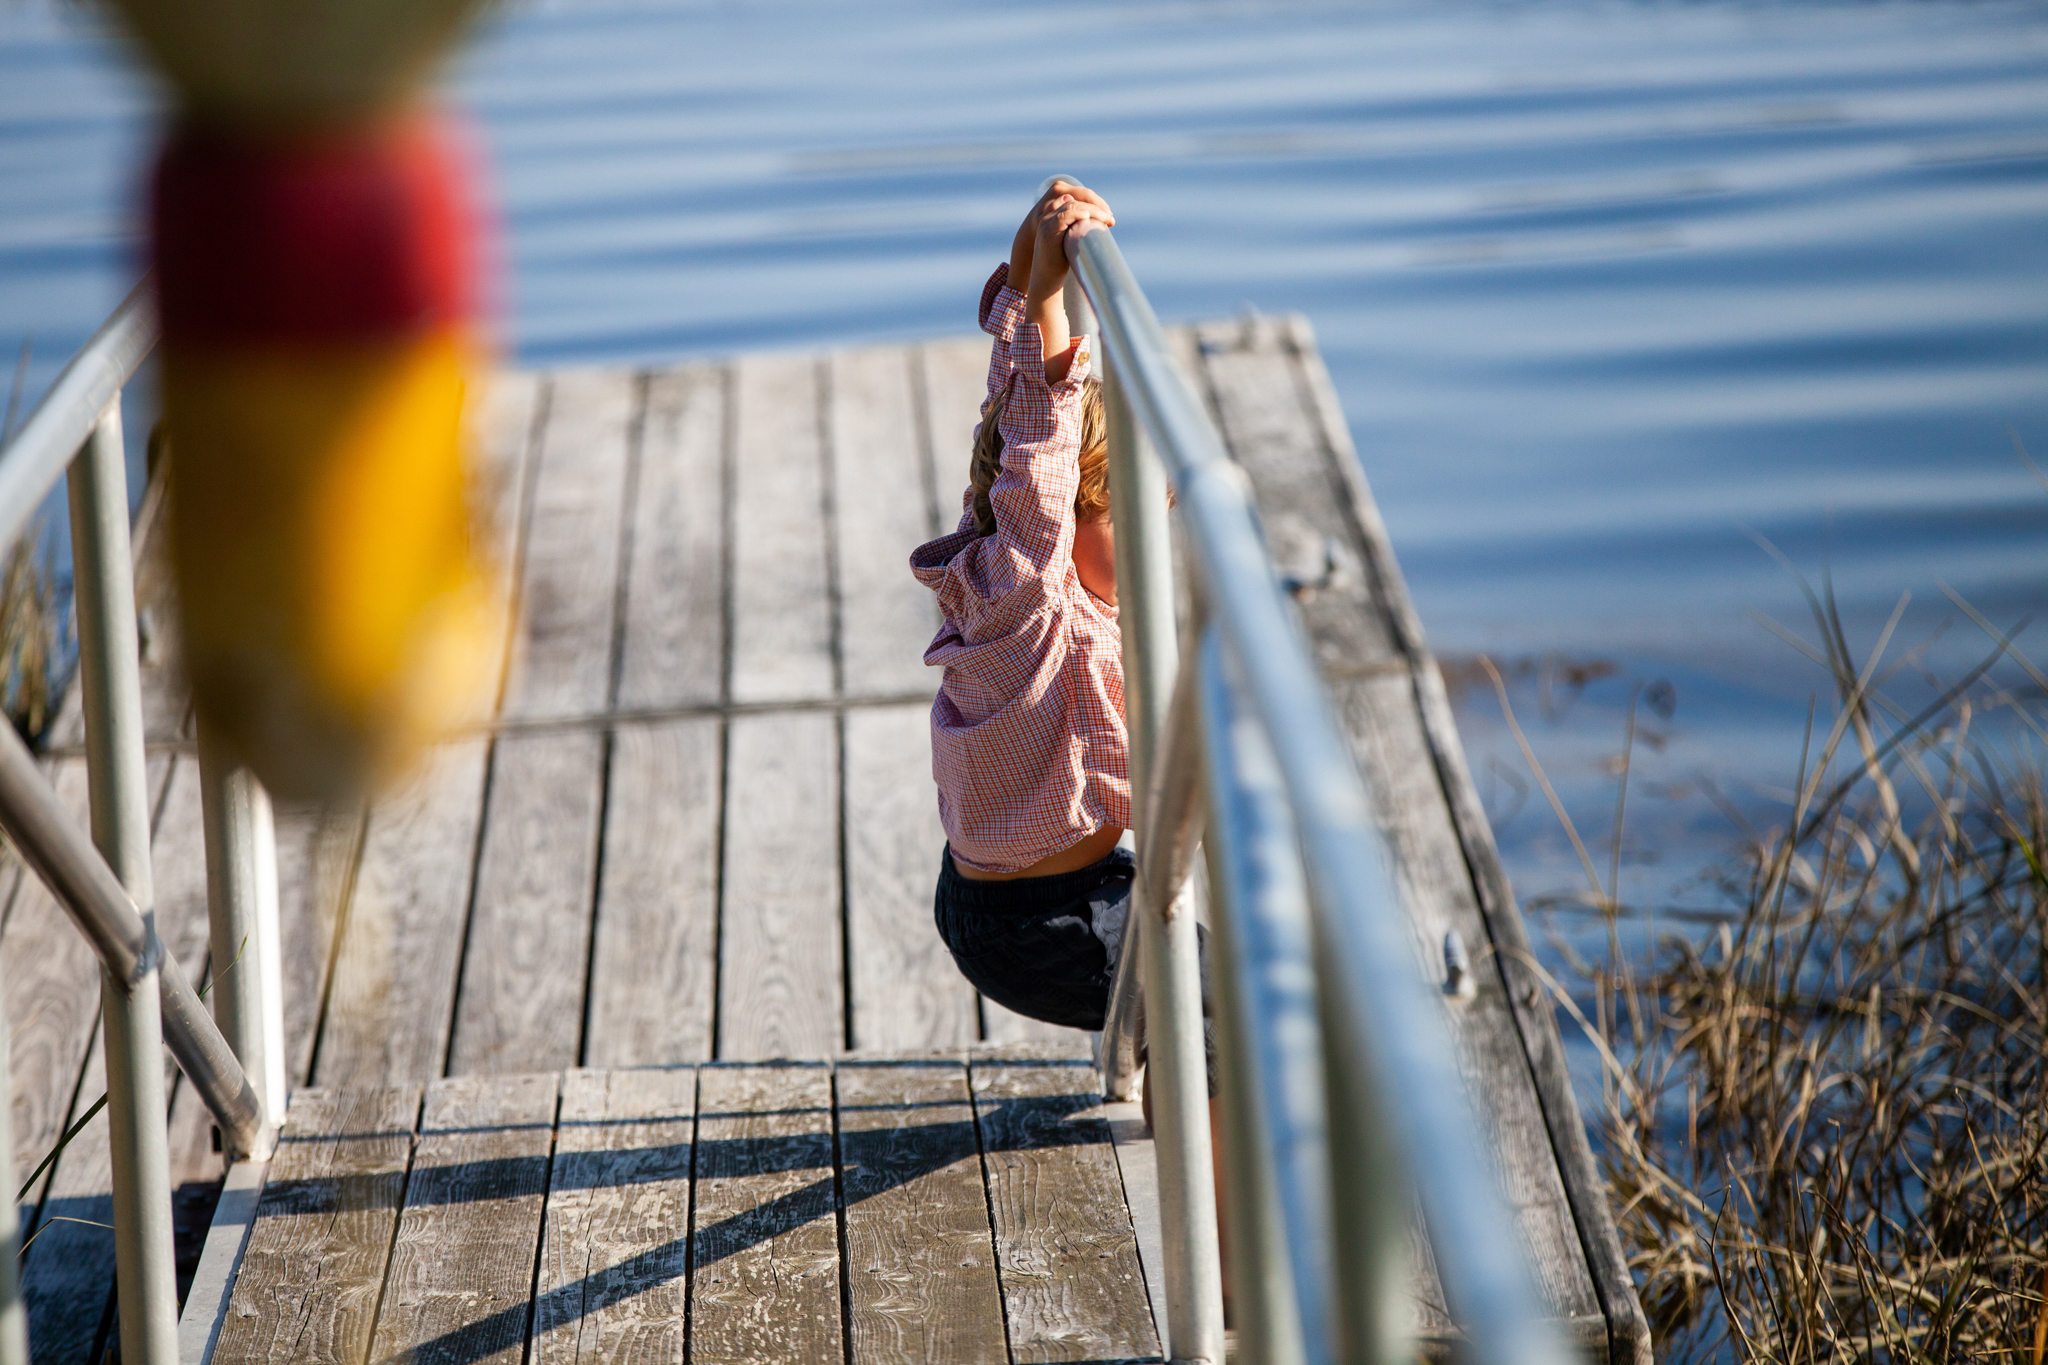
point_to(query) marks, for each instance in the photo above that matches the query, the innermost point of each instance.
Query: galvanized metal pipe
(1167, 947)
(1276, 1135)
(1389, 1051)
(1173, 809)
(1123, 1023)
(109, 660)
(1166, 849)
(241, 902)
(44, 445)
(64, 858)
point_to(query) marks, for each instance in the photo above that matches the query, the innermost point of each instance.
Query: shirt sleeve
(1033, 496)
(1002, 310)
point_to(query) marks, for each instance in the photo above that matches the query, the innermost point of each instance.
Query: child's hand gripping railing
(104, 883)
(1342, 1099)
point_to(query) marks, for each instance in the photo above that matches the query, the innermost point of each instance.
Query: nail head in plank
(656, 940)
(673, 651)
(310, 1277)
(921, 1266)
(615, 1256)
(765, 1237)
(781, 611)
(880, 515)
(779, 943)
(521, 1003)
(393, 996)
(562, 642)
(460, 1283)
(1072, 1286)
(907, 993)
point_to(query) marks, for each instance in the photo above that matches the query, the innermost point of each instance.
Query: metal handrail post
(109, 661)
(241, 903)
(47, 441)
(1380, 1018)
(1269, 1045)
(1168, 950)
(59, 853)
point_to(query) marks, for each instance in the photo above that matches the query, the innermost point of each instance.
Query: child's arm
(1063, 209)
(1033, 496)
(1003, 298)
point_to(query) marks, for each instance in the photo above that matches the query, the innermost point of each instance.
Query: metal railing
(104, 882)
(1342, 1102)
(1343, 1106)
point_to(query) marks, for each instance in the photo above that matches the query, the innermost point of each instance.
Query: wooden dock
(625, 1028)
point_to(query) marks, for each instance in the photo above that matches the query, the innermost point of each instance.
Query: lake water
(1606, 288)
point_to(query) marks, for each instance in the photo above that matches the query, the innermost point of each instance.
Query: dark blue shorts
(1045, 947)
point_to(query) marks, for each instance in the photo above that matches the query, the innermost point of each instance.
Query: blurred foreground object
(319, 268)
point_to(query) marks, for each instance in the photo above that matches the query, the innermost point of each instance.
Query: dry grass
(28, 634)
(1824, 1126)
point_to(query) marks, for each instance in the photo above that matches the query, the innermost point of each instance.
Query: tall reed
(1825, 1125)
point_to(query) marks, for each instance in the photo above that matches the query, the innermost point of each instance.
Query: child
(1028, 742)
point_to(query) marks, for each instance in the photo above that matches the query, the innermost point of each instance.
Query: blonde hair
(1091, 500)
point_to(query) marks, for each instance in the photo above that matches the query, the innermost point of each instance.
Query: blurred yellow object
(337, 613)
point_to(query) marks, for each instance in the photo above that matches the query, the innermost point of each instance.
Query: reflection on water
(1605, 287)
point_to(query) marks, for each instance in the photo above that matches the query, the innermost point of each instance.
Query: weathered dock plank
(614, 1264)
(316, 1257)
(955, 378)
(781, 983)
(653, 974)
(460, 1281)
(783, 623)
(524, 971)
(400, 949)
(1072, 1286)
(673, 650)
(316, 865)
(765, 1235)
(1000, 1024)
(503, 444)
(920, 1259)
(880, 510)
(907, 994)
(568, 577)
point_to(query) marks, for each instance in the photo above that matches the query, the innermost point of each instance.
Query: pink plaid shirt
(1028, 741)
